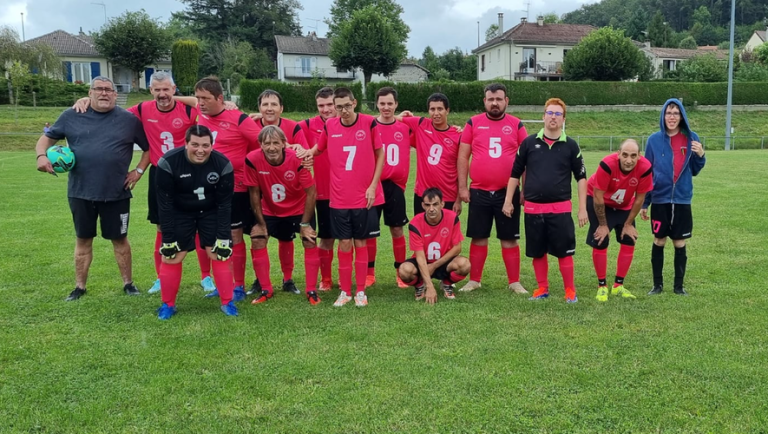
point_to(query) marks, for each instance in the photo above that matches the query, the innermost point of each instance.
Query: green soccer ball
(62, 158)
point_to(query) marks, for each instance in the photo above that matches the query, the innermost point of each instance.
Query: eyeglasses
(672, 115)
(555, 114)
(345, 107)
(102, 89)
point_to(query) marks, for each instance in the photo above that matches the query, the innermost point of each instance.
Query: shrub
(296, 97)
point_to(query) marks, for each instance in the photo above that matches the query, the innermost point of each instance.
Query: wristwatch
(140, 170)
(304, 225)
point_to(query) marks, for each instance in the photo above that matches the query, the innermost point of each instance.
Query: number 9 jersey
(282, 187)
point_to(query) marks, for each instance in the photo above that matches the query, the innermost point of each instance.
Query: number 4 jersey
(437, 240)
(620, 187)
(165, 130)
(282, 187)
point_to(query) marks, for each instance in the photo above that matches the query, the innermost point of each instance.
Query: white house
(757, 39)
(667, 59)
(301, 58)
(528, 51)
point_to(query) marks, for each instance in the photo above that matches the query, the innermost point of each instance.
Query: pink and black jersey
(437, 152)
(620, 188)
(292, 130)
(396, 138)
(165, 129)
(282, 187)
(234, 135)
(437, 240)
(494, 147)
(352, 160)
(313, 128)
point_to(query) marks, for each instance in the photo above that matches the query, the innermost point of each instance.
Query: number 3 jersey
(165, 130)
(282, 187)
(186, 187)
(437, 240)
(620, 187)
(494, 148)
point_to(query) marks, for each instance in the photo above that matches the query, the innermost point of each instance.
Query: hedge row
(48, 92)
(296, 97)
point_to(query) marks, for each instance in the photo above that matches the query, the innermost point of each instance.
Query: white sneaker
(361, 300)
(342, 300)
(470, 286)
(517, 288)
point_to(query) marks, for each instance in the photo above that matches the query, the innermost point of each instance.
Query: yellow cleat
(602, 294)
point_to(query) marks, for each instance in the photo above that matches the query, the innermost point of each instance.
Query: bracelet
(40, 155)
(139, 170)
(304, 225)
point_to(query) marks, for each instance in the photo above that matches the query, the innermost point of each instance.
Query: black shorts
(671, 220)
(615, 218)
(323, 214)
(187, 224)
(485, 207)
(358, 224)
(441, 272)
(418, 208)
(285, 228)
(153, 214)
(550, 233)
(113, 217)
(241, 215)
(394, 205)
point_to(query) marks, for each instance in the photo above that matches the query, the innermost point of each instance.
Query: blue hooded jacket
(658, 150)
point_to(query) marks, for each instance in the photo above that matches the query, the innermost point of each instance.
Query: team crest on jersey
(448, 141)
(633, 182)
(444, 232)
(177, 123)
(212, 178)
(360, 135)
(398, 136)
(506, 130)
(289, 175)
(224, 125)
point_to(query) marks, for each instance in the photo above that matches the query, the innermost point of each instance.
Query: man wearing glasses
(548, 159)
(100, 184)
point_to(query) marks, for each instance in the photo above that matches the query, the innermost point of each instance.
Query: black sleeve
(165, 192)
(605, 167)
(521, 160)
(139, 136)
(577, 163)
(224, 192)
(243, 117)
(188, 109)
(58, 130)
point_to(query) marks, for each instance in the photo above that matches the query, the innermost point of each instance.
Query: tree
(429, 60)
(491, 32)
(19, 76)
(342, 11)
(688, 43)
(637, 25)
(659, 32)
(603, 55)
(761, 53)
(551, 18)
(38, 57)
(702, 16)
(368, 41)
(704, 68)
(133, 40)
(459, 66)
(241, 60)
(186, 62)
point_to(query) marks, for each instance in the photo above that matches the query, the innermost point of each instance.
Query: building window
(81, 71)
(670, 65)
(482, 63)
(565, 53)
(306, 65)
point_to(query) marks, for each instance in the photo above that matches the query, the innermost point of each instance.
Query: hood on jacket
(684, 126)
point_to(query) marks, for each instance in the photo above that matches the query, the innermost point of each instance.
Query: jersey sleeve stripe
(249, 163)
(242, 119)
(412, 228)
(606, 167)
(163, 165)
(647, 173)
(520, 125)
(188, 109)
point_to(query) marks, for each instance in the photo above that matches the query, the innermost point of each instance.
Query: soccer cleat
(400, 283)
(265, 295)
(229, 309)
(656, 290)
(313, 298)
(470, 286)
(602, 293)
(214, 293)
(680, 291)
(75, 294)
(539, 294)
(165, 311)
(238, 294)
(517, 288)
(419, 293)
(448, 291)
(130, 289)
(615, 290)
(570, 295)
(325, 285)
(255, 288)
(207, 284)
(289, 286)
(342, 300)
(621, 290)
(361, 300)
(370, 280)
(155, 287)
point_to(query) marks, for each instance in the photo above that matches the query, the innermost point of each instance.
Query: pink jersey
(494, 147)
(313, 128)
(165, 130)
(234, 135)
(437, 240)
(352, 160)
(292, 130)
(436, 155)
(396, 138)
(620, 188)
(282, 187)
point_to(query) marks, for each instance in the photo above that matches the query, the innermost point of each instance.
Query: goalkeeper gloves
(169, 250)
(222, 249)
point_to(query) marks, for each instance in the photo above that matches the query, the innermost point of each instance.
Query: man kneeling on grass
(436, 240)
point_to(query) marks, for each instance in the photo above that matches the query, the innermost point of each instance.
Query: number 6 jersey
(437, 240)
(282, 187)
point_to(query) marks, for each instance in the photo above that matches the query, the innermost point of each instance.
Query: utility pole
(23, 37)
(105, 10)
(730, 81)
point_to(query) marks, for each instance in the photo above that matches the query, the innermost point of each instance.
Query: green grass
(486, 362)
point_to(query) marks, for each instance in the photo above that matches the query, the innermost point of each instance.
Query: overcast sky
(441, 24)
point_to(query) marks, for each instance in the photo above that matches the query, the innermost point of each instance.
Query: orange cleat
(313, 298)
(265, 295)
(325, 285)
(400, 283)
(370, 280)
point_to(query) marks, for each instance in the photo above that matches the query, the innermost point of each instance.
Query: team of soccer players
(217, 173)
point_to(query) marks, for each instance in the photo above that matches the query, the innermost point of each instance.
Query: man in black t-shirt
(195, 185)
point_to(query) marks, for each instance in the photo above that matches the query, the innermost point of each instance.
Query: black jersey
(548, 168)
(185, 187)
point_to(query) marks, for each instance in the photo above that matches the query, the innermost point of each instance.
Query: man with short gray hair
(102, 139)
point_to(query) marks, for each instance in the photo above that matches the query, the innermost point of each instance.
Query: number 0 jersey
(396, 138)
(186, 187)
(282, 187)
(165, 130)
(494, 148)
(620, 188)
(437, 240)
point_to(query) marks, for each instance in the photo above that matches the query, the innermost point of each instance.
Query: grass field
(486, 362)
